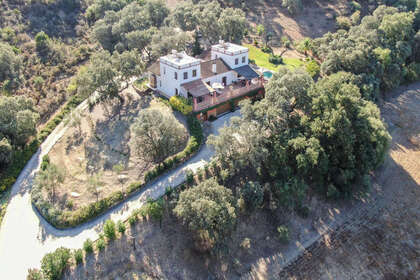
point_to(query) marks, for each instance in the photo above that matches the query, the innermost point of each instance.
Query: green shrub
(34, 274)
(413, 72)
(189, 177)
(88, 246)
(343, 23)
(132, 220)
(253, 194)
(100, 244)
(266, 49)
(153, 209)
(355, 6)
(53, 264)
(109, 229)
(275, 59)
(313, 68)
(181, 104)
(286, 41)
(283, 234)
(78, 256)
(135, 186)
(121, 227)
(45, 162)
(5, 152)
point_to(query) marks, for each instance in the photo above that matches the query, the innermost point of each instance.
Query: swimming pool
(268, 74)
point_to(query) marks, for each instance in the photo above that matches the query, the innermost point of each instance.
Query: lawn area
(261, 59)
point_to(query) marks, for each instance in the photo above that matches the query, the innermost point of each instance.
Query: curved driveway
(25, 237)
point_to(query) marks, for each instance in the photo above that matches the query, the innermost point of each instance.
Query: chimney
(214, 67)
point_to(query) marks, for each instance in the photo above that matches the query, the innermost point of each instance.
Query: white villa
(211, 84)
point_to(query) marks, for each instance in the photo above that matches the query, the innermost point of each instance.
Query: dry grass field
(102, 141)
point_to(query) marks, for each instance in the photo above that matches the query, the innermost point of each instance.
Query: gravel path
(25, 237)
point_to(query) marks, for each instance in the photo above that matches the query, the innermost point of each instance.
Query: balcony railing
(226, 94)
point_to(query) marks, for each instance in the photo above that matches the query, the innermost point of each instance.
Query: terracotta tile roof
(207, 68)
(197, 88)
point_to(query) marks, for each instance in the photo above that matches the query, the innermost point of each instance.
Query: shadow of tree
(109, 144)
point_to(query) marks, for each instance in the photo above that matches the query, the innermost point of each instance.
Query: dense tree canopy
(109, 74)
(207, 207)
(10, 65)
(323, 134)
(17, 119)
(151, 28)
(377, 50)
(112, 30)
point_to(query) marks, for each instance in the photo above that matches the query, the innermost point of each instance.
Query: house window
(176, 91)
(194, 73)
(160, 83)
(243, 59)
(200, 99)
(164, 70)
(236, 61)
(176, 76)
(185, 75)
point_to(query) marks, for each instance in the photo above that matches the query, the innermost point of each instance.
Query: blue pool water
(267, 75)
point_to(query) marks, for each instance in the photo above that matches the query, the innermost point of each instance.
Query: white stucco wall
(230, 59)
(230, 77)
(169, 83)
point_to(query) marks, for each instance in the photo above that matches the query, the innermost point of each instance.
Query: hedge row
(21, 157)
(65, 219)
(193, 145)
(52, 124)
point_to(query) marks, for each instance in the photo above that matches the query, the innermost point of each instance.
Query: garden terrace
(236, 90)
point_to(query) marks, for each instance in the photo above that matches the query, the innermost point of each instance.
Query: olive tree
(112, 30)
(233, 25)
(110, 74)
(157, 135)
(252, 193)
(207, 207)
(49, 178)
(5, 152)
(53, 264)
(10, 65)
(18, 119)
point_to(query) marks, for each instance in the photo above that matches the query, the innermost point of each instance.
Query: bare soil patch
(102, 141)
(316, 19)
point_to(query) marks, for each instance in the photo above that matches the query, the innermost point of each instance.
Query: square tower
(234, 55)
(178, 68)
